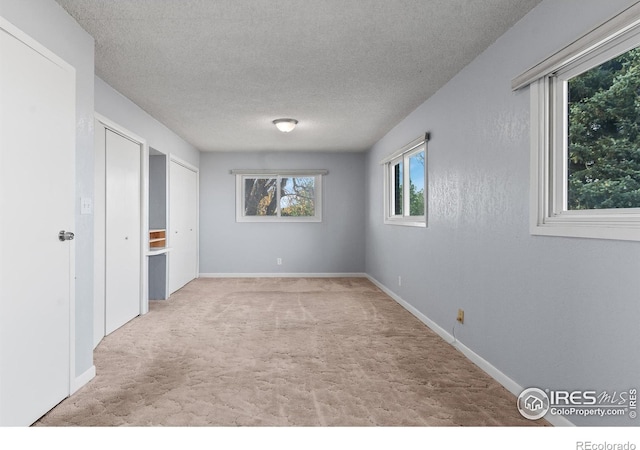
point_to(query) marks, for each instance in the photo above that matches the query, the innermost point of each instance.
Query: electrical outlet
(279, 261)
(460, 317)
(399, 280)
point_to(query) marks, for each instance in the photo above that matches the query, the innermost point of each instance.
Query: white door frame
(102, 123)
(185, 164)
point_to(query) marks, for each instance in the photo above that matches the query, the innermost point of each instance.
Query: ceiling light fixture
(285, 125)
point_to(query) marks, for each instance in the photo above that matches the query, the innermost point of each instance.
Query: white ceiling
(218, 72)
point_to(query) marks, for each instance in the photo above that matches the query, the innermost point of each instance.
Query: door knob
(66, 235)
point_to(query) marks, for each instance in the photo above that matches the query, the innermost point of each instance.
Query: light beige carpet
(283, 352)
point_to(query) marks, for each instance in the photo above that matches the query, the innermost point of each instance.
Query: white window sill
(586, 230)
(263, 219)
(406, 223)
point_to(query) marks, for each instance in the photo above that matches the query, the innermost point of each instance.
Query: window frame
(404, 155)
(548, 82)
(242, 175)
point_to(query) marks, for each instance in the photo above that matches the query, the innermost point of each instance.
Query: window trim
(243, 174)
(404, 154)
(548, 83)
(587, 44)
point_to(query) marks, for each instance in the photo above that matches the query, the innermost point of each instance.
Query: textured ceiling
(218, 72)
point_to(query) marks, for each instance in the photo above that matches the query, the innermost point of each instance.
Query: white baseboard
(283, 275)
(486, 366)
(83, 379)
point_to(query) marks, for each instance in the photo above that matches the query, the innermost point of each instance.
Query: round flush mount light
(285, 125)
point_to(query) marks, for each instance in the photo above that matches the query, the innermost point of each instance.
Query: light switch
(86, 205)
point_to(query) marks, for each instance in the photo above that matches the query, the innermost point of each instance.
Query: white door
(37, 177)
(122, 266)
(183, 225)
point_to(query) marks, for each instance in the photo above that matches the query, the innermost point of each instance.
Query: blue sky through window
(416, 171)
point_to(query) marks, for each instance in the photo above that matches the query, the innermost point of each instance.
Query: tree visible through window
(412, 202)
(585, 134)
(416, 184)
(274, 197)
(260, 197)
(405, 184)
(604, 135)
(298, 197)
(398, 180)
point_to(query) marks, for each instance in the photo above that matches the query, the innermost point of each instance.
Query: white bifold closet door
(123, 247)
(183, 225)
(37, 189)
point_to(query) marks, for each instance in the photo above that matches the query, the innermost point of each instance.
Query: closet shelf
(158, 251)
(157, 238)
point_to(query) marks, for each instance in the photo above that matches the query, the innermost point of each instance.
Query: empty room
(393, 213)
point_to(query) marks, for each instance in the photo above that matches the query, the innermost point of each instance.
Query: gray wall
(49, 24)
(558, 313)
(119, 109)
(157, 191)
(336, 245)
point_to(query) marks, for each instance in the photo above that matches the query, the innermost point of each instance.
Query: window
(405, 177)
(585, 132)
(279, 196)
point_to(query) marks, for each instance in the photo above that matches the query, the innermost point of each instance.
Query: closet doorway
(120, 254)
(183, 224)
